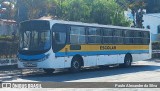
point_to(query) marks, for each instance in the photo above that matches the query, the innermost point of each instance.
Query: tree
(108, 12)
(33, 9)
(7, 9)
(137, 7)
(95, 11)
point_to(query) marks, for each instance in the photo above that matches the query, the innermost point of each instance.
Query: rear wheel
(127, 61)
(76, 65)
(49, 71)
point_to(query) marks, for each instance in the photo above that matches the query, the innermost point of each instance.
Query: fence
(8, 53)
(5, 62)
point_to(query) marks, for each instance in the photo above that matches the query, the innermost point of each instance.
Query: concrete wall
(153, 20)
(7, 27)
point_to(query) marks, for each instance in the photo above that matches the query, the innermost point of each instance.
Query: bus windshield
(35, 40)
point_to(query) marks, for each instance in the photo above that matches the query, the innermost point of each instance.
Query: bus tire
(49, 71)
(127, 60)
(76, 65)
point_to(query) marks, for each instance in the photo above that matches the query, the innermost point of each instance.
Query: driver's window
(60, 37)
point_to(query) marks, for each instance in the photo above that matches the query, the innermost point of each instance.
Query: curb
(8, 67)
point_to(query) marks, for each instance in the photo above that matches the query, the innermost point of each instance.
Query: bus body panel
(92, 54)
(140, 57)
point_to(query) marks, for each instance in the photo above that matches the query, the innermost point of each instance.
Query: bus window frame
(100, 35)
(57, 47)
(69, 35)
(105, 29)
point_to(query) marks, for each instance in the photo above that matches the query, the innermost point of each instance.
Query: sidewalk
(9, 72)
(156, 60)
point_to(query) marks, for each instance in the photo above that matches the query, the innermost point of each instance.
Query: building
(153, 6)
(152, 21)
(7, 27)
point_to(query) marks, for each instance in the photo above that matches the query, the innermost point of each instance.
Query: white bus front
(35, 45)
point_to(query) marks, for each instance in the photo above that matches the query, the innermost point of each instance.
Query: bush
(8, 46)
(156, 46)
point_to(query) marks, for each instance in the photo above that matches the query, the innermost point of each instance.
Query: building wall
(7, 27)
(152, 20)
(153, 6)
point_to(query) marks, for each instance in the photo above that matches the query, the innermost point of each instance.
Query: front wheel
(75, 65)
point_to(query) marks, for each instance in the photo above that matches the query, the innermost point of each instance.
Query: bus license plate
(29, 64)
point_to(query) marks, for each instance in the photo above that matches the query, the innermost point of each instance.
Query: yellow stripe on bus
(106, 47)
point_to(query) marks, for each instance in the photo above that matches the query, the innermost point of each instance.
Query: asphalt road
(142, 71)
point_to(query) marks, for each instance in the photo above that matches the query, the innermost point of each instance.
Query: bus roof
(90, 24)
(94, 24)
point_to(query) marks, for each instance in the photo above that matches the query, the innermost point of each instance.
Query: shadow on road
(62, 76)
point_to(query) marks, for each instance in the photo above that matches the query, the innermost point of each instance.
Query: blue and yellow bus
(54, 44)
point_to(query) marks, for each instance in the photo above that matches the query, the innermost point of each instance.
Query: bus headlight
(45, 58)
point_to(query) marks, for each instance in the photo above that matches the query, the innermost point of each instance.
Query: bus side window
(77, 35)
(128, 37)
(107, 36)
(146, 38)
(118, 36)
(94, 35)
(60, 37)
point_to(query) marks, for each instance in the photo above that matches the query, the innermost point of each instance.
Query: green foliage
(92, 11)
(8, 38)
(135, 6)
(5, 38)
(108, 12)
(95, 11)
(8, 49)
(156, 45)
(36, 8)
(75, 10)
(8, 9)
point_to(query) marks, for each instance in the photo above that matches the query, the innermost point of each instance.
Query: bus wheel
(49, 71)
(127, 61)
(75, 65)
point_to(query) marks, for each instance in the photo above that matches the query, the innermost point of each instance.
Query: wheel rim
(76, 64)
(128, 62)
